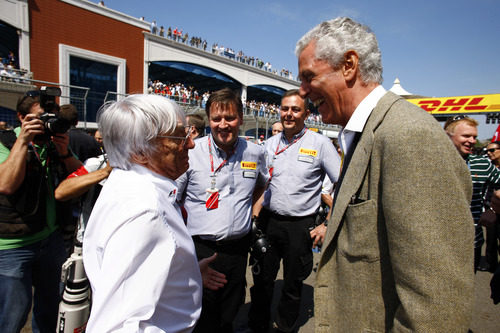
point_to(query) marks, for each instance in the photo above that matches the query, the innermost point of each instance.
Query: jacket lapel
(356, 171)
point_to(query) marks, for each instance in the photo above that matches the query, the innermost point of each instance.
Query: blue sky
(436, 48)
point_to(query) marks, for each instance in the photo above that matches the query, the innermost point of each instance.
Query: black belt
(223, 242)
(276, 216)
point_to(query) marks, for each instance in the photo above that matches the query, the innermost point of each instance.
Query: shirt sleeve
(263, 174)
(181, 185)
(330, 161)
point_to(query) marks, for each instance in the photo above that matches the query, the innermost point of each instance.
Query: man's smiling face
(323, 85)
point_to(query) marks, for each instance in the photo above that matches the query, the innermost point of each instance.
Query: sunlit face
(493, 151)
(225, 122)
(464, 138)
(98, 137)
(277, 128)
(293, 114)
(171, 158)
(324, 85)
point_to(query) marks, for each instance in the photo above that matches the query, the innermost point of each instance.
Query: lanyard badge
(212, 194)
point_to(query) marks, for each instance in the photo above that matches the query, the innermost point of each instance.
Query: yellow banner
(459, 104)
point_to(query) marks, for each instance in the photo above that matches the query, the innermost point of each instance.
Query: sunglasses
(491, 150)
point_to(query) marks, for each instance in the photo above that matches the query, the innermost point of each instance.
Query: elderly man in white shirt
(138, 254)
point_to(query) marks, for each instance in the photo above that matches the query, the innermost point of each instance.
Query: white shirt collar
(359, 117)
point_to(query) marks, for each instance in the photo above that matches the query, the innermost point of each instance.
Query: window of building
(102, 74)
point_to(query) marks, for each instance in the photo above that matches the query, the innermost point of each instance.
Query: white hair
(336, 37)
(128, 126)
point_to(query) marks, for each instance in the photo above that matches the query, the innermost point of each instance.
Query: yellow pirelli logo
(248, 165)
(459, 104)
(309, 152)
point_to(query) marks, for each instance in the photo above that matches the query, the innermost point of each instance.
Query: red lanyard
(277, 152)
(212, 158)
(291, 143)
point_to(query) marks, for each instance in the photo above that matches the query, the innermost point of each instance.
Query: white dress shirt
(139, 257)
(359, 117)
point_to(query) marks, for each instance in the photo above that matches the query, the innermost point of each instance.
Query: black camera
(52, 122)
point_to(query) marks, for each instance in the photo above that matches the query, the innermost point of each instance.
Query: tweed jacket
(398, 253)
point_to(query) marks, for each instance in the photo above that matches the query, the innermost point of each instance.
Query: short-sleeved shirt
(483, 174)
(298, 172)
(12, 243)
(236, 180)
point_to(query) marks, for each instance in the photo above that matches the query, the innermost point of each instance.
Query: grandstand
(92, 67)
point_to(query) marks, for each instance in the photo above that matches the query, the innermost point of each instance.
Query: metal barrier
(69, 94)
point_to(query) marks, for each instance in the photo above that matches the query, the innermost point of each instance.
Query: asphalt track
(486, 317)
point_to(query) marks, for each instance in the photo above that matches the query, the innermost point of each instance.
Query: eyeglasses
(189, 130)
(491, 150)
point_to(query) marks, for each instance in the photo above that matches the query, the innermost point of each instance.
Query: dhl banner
(459, 104)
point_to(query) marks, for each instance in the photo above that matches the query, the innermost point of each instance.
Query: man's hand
(30, 127)
(61, 141)
(318, 235)
(212, 279)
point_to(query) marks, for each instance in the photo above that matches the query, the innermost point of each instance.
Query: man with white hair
(137, 252)
(397, 255)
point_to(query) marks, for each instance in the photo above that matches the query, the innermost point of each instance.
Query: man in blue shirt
(225, 174)
(298, 160)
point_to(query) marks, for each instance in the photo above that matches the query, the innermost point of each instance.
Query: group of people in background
(166, 241)
(183, 37)
(10, 71)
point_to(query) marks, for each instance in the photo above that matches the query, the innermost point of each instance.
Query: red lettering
(473, 104)
(429, 105)
(455, 105)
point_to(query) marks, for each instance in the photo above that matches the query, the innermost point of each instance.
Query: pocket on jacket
(358, 239)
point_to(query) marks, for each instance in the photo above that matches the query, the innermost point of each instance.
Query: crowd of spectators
(183, 37)
(10, 71)
(191, 96)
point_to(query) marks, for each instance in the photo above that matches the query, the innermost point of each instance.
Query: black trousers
(492, 248)
(220, 307)
(290, 240)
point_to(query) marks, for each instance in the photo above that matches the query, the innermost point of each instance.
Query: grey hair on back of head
(129, 125)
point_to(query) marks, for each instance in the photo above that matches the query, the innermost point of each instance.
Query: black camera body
(52, 122)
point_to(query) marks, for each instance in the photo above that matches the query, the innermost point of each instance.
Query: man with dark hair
(198, 125)
(31, 245)
(397, 255)
(81, 143)
(298, 160)
(225, 175)
(493, 230)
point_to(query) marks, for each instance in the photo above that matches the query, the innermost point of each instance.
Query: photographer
(33, 158)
